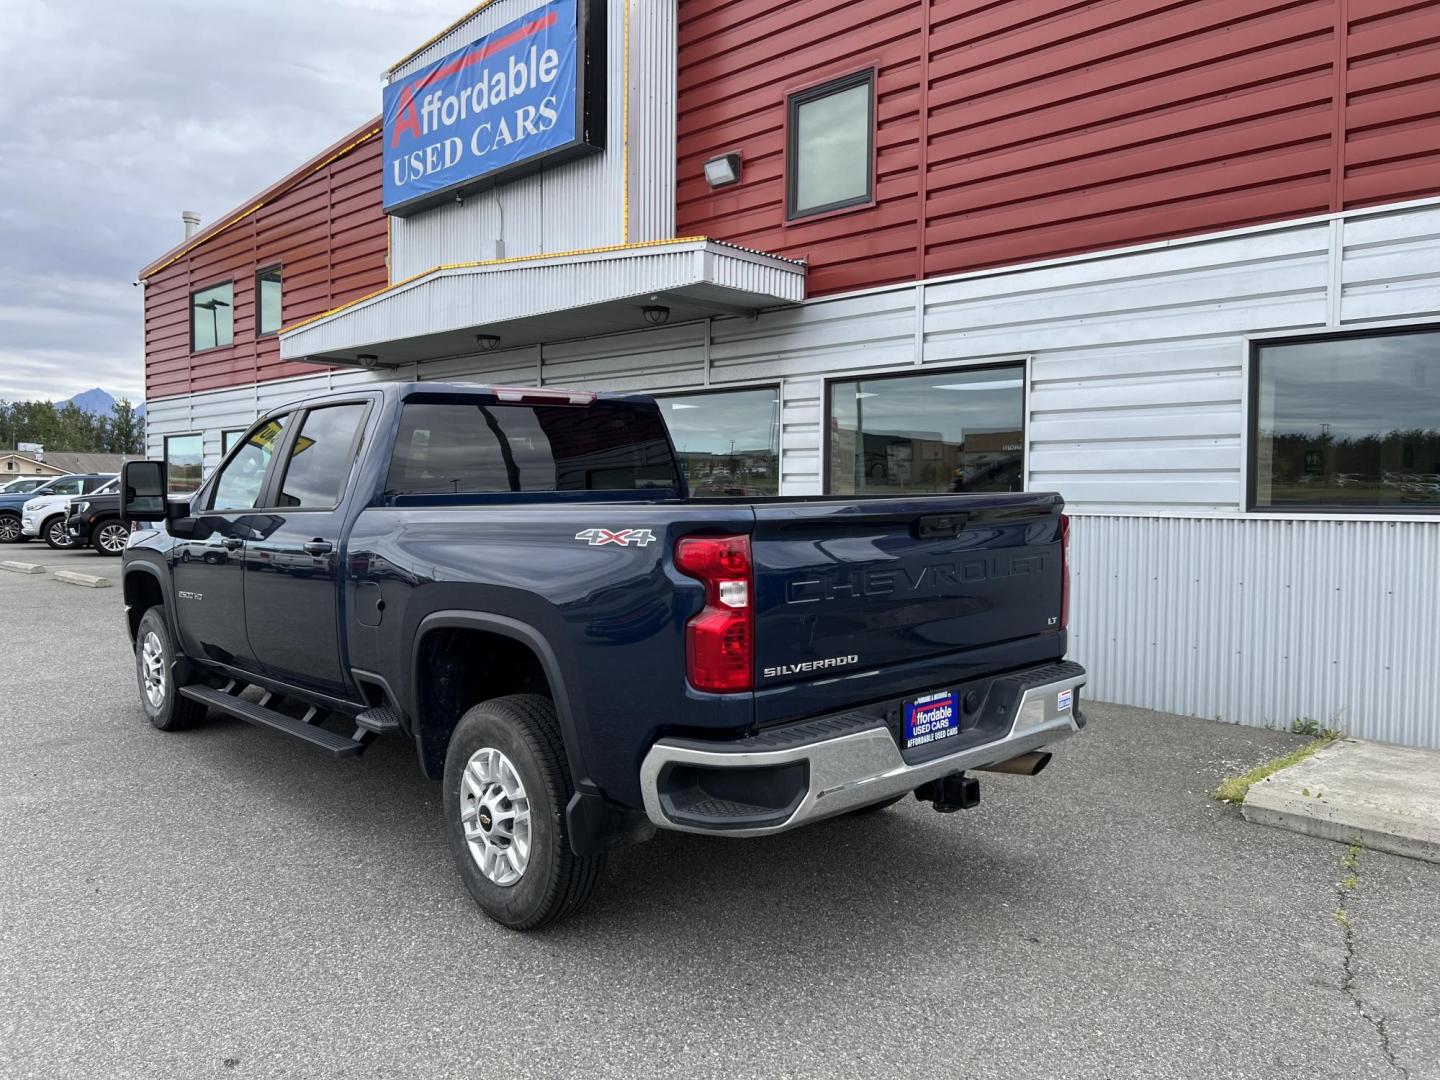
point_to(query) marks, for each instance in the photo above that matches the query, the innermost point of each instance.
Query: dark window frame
(259, 331)
(165, 457)
(827, 443)
(240, 434)
(1252, 421)
(190, 315)
(793, 101)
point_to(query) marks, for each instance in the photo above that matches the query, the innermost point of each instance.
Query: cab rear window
(462, 447)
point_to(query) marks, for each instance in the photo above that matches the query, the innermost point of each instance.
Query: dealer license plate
(931, 718)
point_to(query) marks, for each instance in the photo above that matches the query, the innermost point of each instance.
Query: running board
(259, 715)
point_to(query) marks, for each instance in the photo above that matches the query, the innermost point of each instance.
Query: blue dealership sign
(528, 93)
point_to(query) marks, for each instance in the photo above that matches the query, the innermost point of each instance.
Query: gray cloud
(120, 115)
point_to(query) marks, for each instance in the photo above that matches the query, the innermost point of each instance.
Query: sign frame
(591, 102)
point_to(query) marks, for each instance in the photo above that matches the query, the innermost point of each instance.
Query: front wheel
(110, 537)
(10, 529)
(55, 533)
(155, 672)
(507, 784)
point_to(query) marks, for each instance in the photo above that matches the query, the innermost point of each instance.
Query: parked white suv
(44, 515)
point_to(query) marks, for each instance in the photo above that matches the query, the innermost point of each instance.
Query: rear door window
(322, 456)
(455, 448)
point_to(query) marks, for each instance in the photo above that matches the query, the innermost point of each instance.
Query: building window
(729, 441)
(1347, 423)
(930, 432)
(830, 147)
(228, 439)
(267, 301)
(212, 317)
(184, 462)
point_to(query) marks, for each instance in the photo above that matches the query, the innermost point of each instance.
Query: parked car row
(74, 511)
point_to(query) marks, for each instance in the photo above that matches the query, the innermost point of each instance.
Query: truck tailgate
(851, 586)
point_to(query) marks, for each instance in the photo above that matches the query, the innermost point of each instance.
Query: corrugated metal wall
(579, 204)
(1264, 622)
(1019, 131)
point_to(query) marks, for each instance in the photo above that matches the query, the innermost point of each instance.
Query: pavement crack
(1343, 889)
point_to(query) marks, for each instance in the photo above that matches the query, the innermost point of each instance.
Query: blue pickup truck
(517, 581)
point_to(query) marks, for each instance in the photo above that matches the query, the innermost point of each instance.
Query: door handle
(318, 547)
(234, 543)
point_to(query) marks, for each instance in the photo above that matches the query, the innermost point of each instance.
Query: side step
(381, 719)
(259, 715)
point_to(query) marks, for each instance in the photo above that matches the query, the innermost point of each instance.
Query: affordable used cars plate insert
(931, 717)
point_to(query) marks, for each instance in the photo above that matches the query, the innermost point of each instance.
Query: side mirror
(142, 491)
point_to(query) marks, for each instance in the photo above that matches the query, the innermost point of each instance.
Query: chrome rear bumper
(846, 771)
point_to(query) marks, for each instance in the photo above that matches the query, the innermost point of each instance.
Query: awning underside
(440, 314)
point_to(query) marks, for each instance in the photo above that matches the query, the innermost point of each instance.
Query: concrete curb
(1386, 797)
(90, 581)
(22, 567)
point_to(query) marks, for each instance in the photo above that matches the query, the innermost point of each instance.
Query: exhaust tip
(1029, 764)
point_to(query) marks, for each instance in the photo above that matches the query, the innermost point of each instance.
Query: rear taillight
(720, 639)
(1064, 571)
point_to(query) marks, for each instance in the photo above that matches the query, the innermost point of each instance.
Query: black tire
(10, 529)
(883, 804)
(555, 882)
(53, 532)
(172, 712)
(98, 533)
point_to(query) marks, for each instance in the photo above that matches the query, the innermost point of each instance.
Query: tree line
(70, 429)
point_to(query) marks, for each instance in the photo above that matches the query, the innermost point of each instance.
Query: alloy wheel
(9, 529)
(152, 669)
(495, 816)
(57, 534)
(113, 537)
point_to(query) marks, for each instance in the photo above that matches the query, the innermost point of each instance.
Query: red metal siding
(1014, 131)
(325, 228)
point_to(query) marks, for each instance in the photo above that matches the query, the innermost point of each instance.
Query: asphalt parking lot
(222, 902)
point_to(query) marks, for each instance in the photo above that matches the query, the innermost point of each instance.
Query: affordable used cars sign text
(500, 102)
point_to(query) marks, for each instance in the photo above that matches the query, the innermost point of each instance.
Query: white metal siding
(1263, 622)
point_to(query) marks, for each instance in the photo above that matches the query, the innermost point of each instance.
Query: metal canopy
(537, 299)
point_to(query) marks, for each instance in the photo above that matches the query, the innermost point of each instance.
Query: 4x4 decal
(623, 537)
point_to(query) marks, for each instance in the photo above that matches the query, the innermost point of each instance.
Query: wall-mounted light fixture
(487, 342)
(723, 171)
(656, 314)
(369, 361)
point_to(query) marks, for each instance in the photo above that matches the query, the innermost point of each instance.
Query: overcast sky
(116, 116)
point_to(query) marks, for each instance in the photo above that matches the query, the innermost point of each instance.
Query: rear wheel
(507, 784)
(110, 537)
(55, 533)
(155, 672)
(10, 529)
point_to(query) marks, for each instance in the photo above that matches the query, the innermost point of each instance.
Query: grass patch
(1235, 788)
